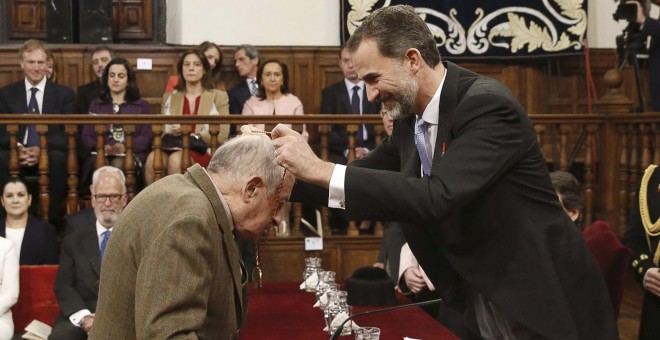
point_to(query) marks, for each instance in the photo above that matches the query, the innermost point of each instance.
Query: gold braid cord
(652, 228)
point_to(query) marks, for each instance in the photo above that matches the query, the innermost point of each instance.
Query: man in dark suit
(464, 175)
(101, 56)
(344, 97)
(36, 94)
(77, 281)
(246, 61)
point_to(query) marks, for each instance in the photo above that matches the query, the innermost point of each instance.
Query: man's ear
(414, 58)
(574, 214)
(252, 187)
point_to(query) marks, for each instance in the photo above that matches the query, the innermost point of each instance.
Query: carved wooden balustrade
(607, 152)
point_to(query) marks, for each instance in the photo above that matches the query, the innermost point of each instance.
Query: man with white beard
(77, 281)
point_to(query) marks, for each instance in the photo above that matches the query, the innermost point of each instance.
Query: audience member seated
(349, 95)
(8, 287)
(119, 95)
(213, 54)
(34, 240)
(194, 95)
(569, 192)
(37, 95)
(246, 61)
(612, 256)
(85, 94)
(77, 281)
(273, 97)
(643, 236)
(51, 68)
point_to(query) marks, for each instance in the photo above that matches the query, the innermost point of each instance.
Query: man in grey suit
(172, 266)
(77, 281)
(464, 175)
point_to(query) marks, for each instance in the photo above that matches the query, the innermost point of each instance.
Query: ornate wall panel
(27, 18)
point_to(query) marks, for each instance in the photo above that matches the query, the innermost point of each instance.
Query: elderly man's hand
(297, 156)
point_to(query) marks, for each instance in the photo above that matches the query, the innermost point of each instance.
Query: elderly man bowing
(172, 268)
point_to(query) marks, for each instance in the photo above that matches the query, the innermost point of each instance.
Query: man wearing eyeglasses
(77, 281)
(172, 266)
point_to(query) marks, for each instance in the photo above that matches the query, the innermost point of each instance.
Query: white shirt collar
(350, 86)
(41, 85)
(100, 229)
(432, 110)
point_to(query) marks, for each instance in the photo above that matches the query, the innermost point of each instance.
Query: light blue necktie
(104, 242)
(420, 142)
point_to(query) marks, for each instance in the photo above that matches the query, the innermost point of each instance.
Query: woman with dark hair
(273, 97)
(119, 94)
(213, 54)
(34, 240)
(194, 94)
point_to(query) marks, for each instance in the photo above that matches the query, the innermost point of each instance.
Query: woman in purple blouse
(119, 94)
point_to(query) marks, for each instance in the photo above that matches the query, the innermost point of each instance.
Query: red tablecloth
(281, 311)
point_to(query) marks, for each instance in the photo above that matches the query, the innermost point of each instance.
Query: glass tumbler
(367, 333)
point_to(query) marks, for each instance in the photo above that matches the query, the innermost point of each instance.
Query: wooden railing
(607, 152)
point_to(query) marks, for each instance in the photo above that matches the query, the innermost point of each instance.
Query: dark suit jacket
(488, 213)
(171, 268)
(85, 94)
(238, 95)
(335, 100)
(57, 99)
(77, 280)
(39, 244)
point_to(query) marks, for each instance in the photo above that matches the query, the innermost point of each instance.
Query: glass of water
(367, 333)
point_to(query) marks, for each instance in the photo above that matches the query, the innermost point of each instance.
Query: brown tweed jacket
(172, 267)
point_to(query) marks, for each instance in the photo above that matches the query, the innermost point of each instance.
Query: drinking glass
(310, 275)
(367, 333)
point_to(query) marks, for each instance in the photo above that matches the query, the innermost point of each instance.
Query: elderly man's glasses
(114, 198)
